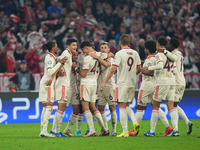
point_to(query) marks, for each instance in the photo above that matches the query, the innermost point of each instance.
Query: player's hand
(102, 86)
(73, 65)
(111, 55)
(94, 55)
(144, 68)
(63, 60)
(48, 82)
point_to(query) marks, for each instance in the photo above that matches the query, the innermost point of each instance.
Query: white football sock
(55, 122)
(79, 122)
(114, 121)
(139, 116)
(174, 119)
(131, 114)
(123, 119)
(47, 114)
(42, 117)
(103, 115)
(89, 119)
(182, 114)
(163, 118)
(59, 120)
(72, 120)
(99, 120)
(154, 119)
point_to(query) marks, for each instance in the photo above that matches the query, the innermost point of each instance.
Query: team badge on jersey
(49, 62)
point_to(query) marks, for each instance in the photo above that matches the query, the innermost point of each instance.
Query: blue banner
(25, 110)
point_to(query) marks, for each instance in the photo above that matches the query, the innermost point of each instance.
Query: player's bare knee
(139, 107)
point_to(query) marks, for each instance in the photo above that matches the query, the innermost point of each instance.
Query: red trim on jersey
(81, 95)
(63, 92)
(51, 55)
(126, 48)
(140, 96)
(116, 96)
(159, 61)
(49, 94)
(157, 90)
(69, 51)
(49, 67)
(115, 65)
(108, 61)
(150, 56)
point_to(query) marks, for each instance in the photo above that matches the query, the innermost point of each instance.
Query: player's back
(179, 75)
(127, 61)
(165, 75)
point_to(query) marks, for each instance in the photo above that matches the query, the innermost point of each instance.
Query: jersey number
(94, 68)
(130, 63)
(167, 65)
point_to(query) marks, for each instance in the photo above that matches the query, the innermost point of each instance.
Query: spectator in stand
(23, 79)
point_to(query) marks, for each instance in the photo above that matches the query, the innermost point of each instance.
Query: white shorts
(125, 94)
(88, 93)
(62, 93)
(46, 93)
(179, 91)
(106, 96)
(145, 93)
(164, 92)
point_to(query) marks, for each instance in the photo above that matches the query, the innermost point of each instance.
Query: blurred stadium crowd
(26, 24)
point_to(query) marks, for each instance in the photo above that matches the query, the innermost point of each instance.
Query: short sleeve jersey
(127, 61)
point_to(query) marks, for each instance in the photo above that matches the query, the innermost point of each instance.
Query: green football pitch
(25, 136)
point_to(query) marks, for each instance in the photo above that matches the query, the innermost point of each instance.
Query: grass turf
(25, 136)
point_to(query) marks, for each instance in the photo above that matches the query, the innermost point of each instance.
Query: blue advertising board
(28, 110)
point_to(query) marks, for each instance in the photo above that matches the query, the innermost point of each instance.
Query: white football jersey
(93, 67)
(104, 73)
(179, 76)
(127, 61)
(65, 80)
(165, 75)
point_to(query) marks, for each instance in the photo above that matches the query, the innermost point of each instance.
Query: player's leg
(79, 121)
(130, 113)
(113, 119)
(123, 119)
(89, 118)
(101, 109)
(72, 119)
(97, 115)
(42, 116)
(163, 118)
(182, 114)
(58, 117)
(47, 113)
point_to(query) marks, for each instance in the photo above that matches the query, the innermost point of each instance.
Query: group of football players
(87, 80)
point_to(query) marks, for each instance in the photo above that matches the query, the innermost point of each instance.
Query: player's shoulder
(50, 56)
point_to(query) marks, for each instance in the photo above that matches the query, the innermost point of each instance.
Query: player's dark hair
(86, 43)
(162, 41)
(172, 44)
(151, 46)
(125, 39)
(48, 46)
(105, 43)
(70, 41)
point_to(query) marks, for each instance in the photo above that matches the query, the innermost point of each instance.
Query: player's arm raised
(171, 56)
(103, 62)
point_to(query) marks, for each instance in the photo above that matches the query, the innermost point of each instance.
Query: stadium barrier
(24, 107)
(192, 80)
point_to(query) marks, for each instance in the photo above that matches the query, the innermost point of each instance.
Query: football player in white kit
(62, 87)
(127, 63)
(77, 114)
(176, 56)
(107, 96)
(47, 85)
(88, 87)
(147, 87)
(165, 88)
